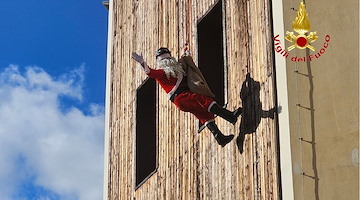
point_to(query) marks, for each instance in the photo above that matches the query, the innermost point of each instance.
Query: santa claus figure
(187, 89)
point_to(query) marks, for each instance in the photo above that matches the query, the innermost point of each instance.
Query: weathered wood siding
(192, 166)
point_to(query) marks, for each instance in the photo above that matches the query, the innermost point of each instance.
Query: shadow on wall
(252, 110)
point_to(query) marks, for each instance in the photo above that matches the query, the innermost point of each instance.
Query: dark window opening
(211, 53)
(146, 150)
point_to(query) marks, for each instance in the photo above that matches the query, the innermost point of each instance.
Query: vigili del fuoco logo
(303, 38)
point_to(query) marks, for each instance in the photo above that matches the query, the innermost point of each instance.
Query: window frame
(224, 46)
(138, 185)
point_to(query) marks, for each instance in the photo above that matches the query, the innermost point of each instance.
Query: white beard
(171, 67)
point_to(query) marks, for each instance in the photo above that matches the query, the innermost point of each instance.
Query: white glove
(137, 57)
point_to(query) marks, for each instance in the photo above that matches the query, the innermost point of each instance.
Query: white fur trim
(144, 67)
(211, 105)
(175, 87)
(207, 122)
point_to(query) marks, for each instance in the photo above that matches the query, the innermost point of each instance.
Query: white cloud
(61, 152)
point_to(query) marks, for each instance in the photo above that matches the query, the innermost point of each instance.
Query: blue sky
(57, 36)
(52, 93)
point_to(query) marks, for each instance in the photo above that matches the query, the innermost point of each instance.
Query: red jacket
(169, 85)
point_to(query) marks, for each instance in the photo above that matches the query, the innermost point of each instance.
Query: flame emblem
(301, 25)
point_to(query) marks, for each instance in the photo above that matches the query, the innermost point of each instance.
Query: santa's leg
(220, 138)
(226, 114)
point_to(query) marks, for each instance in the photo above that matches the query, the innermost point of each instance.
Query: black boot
(220, 138)
(226, 114)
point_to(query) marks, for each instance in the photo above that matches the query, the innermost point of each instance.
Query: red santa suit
(198, 99)
(179, 93)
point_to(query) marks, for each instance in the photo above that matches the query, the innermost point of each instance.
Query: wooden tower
(154, 150)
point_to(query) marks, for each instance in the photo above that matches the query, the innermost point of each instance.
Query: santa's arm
(153, 73)
(138, 58)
